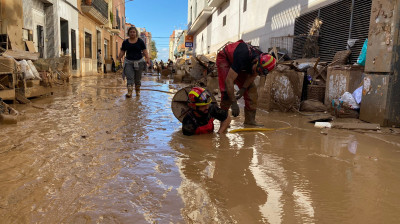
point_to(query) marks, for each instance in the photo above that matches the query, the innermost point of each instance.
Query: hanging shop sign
(188, 41)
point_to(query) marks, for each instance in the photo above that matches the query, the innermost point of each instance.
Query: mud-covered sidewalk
(93, 156)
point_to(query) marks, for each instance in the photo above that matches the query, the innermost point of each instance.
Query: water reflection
(216, 169)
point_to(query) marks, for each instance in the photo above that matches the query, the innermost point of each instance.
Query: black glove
(235, 109)
(240, 93)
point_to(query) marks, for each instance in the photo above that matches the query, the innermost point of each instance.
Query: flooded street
(93, 156)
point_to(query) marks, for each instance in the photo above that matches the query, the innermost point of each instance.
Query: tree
(153, 50)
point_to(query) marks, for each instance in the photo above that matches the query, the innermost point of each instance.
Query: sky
(160, 17)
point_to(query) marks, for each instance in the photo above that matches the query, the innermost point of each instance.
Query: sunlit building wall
(215, 22)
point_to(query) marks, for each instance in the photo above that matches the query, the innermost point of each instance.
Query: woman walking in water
(134, 63)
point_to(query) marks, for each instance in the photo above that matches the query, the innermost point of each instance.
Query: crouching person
(200, 118)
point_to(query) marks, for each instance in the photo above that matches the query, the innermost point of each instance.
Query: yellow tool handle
(256, 129)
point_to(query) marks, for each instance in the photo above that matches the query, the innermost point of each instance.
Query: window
(118, 20)
(224, 21)
(88, 45)
(116, 48)
(195, 9)
(106, 49)
(209, 20)
(244, 5)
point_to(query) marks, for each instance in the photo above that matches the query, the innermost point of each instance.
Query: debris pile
(8, 115)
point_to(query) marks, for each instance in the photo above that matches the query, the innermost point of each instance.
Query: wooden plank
(21, 98)
(30, 46)
(36, 91)
(8, 94)
(352, 126)
(21, 55)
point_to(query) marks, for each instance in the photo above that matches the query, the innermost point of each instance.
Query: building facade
(171, 46)
(174, 44)
(52, 26)
(94, 34)
(118, 26)
(180, 50)
(215, 22)
(11, 22)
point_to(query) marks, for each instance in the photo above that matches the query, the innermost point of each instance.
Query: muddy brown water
(93, 156)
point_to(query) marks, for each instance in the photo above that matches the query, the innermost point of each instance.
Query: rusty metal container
(375, 92)
(381, 92)
(281, 91)
(341, 79)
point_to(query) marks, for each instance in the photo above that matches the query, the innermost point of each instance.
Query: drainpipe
(351, 22)
(239, 22)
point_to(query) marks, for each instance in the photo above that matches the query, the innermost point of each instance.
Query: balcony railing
(97, 10)
(101, 6)
(200, 20)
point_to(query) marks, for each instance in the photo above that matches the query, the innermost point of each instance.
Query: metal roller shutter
(360, 29)
(302, 26)
(336, 28)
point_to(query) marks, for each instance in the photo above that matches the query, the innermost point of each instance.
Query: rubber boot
(137, 88)
(130, 90)
(250, 117)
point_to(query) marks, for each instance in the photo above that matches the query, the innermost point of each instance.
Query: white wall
(66, 12)
(262, 20)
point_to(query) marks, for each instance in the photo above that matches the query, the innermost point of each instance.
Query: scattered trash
(363, 54)
(373, 158)
(349, 101)
(8, 119)
(323, 125)
(357, 94)
(305, 66)
(8, 115)
(351, 126)
(351, 42)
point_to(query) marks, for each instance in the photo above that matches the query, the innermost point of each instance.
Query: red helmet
(266, 63)
(198, 97)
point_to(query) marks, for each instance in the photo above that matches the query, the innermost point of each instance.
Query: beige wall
(12, 21)
(89, 65)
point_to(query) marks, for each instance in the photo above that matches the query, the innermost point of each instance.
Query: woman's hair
(133, 28)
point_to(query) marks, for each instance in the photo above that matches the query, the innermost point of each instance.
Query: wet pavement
(93, 156)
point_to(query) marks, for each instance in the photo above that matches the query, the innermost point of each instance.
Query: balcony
(98, 11)
(200, 20)
(215, 3)
(47, 2)
(115, 30)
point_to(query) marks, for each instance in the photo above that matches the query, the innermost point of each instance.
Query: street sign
(188, 41)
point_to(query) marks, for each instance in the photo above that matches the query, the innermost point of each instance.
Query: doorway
(73, 50)
(64, 36)
(40, 40)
